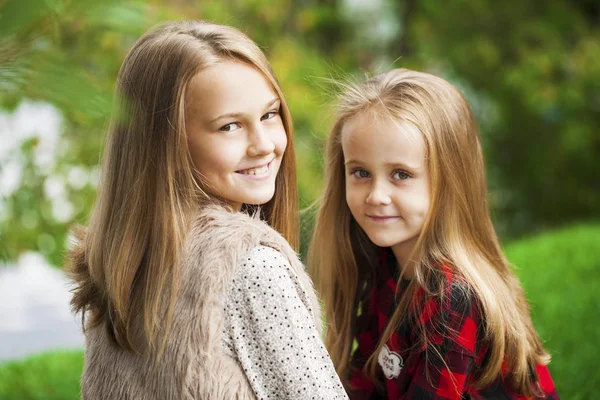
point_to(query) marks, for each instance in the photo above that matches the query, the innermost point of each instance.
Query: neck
(401, 252)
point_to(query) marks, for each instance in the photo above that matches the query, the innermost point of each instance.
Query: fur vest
(193, 364)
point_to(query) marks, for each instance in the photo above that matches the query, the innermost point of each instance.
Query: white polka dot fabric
(269, 328)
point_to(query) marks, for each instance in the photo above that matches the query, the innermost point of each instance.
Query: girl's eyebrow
(401, 165)
(389, 165)
(272, 102)
(238, 115)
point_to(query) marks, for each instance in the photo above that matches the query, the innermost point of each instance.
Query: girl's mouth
(259, 172)
(382, 218)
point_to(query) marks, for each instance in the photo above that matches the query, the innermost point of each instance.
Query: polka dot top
(269, 329)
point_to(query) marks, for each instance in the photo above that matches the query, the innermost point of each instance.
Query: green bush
(48, 376)
(560, 273)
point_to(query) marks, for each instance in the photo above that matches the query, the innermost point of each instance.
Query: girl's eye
(360, 174)
(269, 115)
(230, 127)
(400, 175)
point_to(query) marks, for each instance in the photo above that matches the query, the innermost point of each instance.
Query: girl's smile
(382, 219)
(261, 172)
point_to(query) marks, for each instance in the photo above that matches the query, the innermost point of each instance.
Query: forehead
(372, 136)
(227, 87)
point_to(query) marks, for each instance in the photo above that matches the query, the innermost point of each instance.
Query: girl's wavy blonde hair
(149, 188)
(457, 231)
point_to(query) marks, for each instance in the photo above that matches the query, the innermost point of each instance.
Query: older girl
(406, 257)
(188, 288)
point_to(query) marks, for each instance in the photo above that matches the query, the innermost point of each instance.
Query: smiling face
(235, 132)
(387, 181)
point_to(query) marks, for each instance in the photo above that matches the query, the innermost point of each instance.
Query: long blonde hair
(149, 188)
(457, 231)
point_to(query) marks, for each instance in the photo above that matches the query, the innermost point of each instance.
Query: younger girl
(188, 289)
(406, 258)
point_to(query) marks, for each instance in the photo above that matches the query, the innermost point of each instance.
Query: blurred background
(530, 70)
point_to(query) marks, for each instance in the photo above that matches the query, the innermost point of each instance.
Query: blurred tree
(530, 70)
(66, 54)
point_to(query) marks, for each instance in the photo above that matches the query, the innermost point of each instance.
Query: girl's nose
(259, 143)
(378, 196)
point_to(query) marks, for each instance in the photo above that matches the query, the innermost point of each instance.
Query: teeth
(257, 171)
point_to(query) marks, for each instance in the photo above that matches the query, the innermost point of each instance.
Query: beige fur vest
(193, 365)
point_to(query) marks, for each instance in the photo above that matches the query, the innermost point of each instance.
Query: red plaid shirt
(457, 351)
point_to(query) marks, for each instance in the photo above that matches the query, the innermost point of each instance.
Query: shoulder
(220, 237)
(458, 298)
(216, 228)
(217, 242)
(453, 318)
(265, 273)
(266, 256)
(463, 315)
(264, 265)
(454, 293)
(225, 225)
(264, 281)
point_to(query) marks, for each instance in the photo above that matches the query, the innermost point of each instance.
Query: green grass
(47, 376)
(560, 272)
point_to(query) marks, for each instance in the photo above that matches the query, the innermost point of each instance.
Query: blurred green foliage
(531, 71)
(49, 376)
(558, 271)
(537, 64)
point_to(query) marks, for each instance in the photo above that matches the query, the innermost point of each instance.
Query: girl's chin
(384, 241)
(258, 200)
